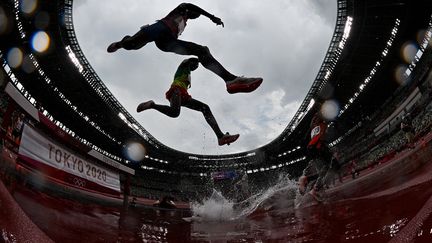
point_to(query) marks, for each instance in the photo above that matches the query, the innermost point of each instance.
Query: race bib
(315, 131)
(181, 24)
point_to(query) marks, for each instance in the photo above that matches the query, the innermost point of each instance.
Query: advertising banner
(36, 148)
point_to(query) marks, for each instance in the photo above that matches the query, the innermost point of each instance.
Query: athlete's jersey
(317, 132)
(177, 18)
(182, 77)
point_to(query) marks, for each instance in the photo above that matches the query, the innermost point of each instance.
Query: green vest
(182, 78)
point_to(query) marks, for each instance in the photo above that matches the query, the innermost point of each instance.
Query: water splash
(215, 208)
(219, 208)
(280, 195)
(7, 237)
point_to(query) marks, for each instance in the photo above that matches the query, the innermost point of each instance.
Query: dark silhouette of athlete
(165, 34)
(319, 155)
(178, 96)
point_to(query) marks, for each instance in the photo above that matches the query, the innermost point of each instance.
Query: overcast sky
(284, 42)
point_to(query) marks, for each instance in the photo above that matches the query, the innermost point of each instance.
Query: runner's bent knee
(202, 52)
(174, 113)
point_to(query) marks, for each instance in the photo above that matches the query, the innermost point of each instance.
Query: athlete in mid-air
(178, 96)
(165, 34)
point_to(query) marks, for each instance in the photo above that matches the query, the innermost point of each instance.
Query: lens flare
(3, 21)
(402, 74)
(135, 151)
(28, 6)
(15, 57)
(40, 41)
(409, 51)
(330, 110)
(420, 36)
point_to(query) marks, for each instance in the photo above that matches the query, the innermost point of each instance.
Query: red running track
(391, 203)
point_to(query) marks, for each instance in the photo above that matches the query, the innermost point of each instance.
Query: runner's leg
(202, 52)
(173, 110)
(145, 35)
(208, 115)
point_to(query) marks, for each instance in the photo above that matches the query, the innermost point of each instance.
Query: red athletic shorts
(184, 95)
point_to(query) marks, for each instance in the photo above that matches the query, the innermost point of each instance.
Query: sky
(283, 42)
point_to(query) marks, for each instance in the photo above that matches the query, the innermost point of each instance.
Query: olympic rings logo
(79, 182)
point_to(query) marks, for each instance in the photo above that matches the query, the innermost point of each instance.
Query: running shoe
(145, 106)
(243, 85)
(113, 47)
(228, 139)
(116, 45)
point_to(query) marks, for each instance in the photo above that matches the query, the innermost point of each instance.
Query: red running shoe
(228, 139)
(243, 85)
(145, 106)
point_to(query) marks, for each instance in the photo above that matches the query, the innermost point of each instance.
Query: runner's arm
(196, 9)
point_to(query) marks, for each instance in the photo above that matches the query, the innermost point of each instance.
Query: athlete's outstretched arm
(198, 10)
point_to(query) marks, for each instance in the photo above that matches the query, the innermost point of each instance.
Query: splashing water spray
(218, 208)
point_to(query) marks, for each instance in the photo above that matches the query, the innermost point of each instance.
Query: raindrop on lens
(135, 151)
(401, 76)
(28, 6)
(409, 51)
(15, 57)
(330, 110)
(3, 21)
(40, 41)
(420, 36)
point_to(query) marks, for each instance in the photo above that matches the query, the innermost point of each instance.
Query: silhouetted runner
(165, 34)
(178, 96)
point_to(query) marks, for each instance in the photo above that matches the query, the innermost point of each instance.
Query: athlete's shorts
(155, 31)
(184, 95)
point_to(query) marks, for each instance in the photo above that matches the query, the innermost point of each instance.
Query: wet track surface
(389, 203)
(375, 218)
